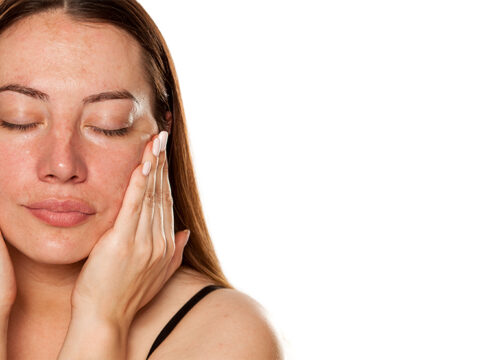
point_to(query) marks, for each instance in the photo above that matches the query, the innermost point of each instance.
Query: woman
(96, 190)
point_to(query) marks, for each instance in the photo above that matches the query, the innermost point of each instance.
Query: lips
(68, 205)
(61, 213)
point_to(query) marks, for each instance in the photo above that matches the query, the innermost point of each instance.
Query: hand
(132, 261)
(8, 289)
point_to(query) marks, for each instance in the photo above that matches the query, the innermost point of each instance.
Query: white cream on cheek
(117, 114)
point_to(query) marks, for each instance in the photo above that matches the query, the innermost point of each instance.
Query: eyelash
(118, 132)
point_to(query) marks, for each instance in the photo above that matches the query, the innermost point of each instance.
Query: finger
(181, 240)
(144, 229)
(160, 223)
(168, 210)
(130, 211)
(166, 272)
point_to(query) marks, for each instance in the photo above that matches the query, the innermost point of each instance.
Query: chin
(60, 255)
(53, 251)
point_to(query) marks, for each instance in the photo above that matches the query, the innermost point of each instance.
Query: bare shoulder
(236, 327)
(226, 324)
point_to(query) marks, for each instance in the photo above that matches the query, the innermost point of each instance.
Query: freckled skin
(63, 156)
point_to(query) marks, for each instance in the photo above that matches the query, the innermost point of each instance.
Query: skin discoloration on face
(63, 156)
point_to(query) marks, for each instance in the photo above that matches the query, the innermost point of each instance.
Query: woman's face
(64, 156)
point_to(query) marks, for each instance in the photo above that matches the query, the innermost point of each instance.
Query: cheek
(15, 163)
(107, 173)
(112, 176)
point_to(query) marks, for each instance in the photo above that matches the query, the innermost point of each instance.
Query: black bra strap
(180, 314)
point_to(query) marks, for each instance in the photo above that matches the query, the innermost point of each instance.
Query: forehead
(54, 53)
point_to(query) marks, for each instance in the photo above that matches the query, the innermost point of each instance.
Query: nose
(60, 159)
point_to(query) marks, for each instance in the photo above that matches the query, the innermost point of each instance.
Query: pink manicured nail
(146, 168)
(156, 147)
(163, 138)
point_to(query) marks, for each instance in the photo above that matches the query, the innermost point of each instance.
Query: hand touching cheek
(133, 260)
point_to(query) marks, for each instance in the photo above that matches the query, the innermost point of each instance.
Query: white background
(347, 154)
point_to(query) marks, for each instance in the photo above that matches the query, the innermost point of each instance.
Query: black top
(180, 314)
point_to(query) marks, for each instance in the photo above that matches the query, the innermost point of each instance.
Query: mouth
(63, 205)
(62, 212)
(60, 218)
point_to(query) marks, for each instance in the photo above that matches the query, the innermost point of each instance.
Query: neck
(43, 290)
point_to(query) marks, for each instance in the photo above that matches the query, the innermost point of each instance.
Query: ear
(169, 120)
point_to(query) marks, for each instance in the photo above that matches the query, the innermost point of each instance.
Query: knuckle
(139, 181)
(157, 198)
(168, 196)
(149, 197)
(135, 208)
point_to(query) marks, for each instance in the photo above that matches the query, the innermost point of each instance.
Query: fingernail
(156, 147)
(163, 137)
(188, 233)
(146, 168)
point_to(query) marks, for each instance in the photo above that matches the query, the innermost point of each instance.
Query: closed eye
(117, 132)
(16, 126)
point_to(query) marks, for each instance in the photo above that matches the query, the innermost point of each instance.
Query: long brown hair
(130, 16)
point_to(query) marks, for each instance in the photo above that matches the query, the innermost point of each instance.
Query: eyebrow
(37, 94)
